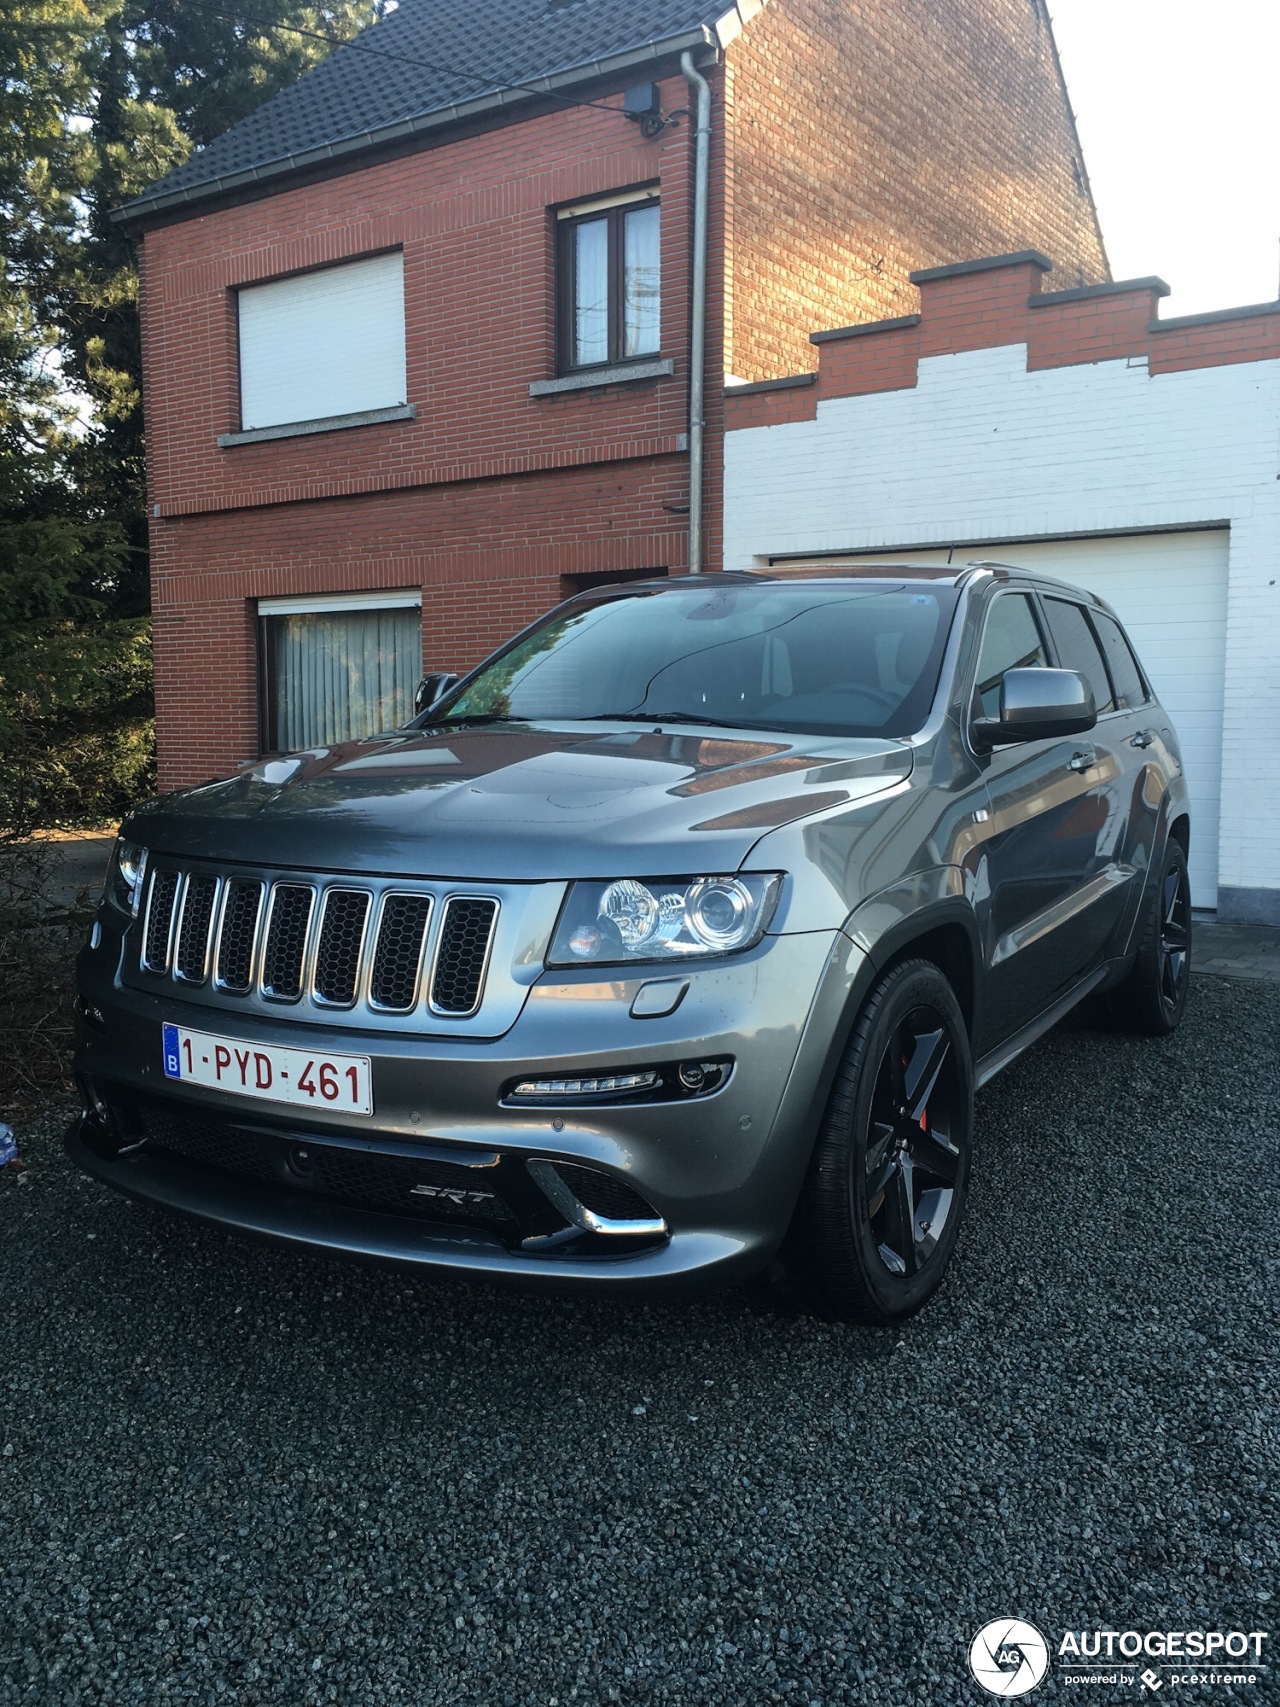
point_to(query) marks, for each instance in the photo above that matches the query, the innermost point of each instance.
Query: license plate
(299, 1076)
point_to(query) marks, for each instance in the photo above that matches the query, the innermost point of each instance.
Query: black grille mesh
(341, 938)
(461, 956)
(604, 1194)
(239, 927)
(155, 948)
(291, 905)
(398, 957)
(192, 955)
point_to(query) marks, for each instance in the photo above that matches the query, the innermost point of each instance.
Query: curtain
(339, 674)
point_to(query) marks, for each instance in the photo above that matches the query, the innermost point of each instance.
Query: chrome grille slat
(157, 927)
(195, 925)
(238, 935)
(399, 950)
(340, 946)
(288, 926)
(462, 953)
(397, 958)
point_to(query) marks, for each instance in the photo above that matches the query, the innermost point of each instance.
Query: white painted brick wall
(981, 449)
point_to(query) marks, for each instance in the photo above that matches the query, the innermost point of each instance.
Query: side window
(1078, 650)
(1010, 641)
(1130, 688)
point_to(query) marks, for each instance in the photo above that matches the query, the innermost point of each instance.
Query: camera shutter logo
(1008, 1657)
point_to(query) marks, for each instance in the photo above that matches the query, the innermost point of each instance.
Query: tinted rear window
(1125, 674)
(1077, 649)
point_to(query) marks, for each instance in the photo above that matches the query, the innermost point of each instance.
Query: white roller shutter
(1170, 592)
(323, 344)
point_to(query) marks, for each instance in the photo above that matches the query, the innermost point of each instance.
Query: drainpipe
(698, 329)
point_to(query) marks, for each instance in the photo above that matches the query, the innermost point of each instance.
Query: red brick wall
(485, 500)
(875, 138)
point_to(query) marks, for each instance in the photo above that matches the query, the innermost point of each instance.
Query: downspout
(698, 326)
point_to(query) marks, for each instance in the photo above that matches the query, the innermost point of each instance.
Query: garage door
(1170, 592)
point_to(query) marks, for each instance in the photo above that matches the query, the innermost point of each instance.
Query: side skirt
(988, 1065)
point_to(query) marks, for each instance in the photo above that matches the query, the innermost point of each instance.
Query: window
(1125, 675)
(813, 658)
(322, 344)
(609, 282)
(337, 667)
(1010, 641)
(1078, 650)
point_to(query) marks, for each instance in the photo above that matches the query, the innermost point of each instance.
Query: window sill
(596, 376)
(327, 424)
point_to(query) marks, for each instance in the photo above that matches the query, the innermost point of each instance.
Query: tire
(892, 1157)
(1153, 998)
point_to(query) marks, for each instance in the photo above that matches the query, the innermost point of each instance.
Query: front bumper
(707, 1184)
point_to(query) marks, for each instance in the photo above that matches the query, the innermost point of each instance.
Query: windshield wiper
(471, 721)
(667, 717)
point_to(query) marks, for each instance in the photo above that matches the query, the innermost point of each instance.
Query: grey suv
(676, 935)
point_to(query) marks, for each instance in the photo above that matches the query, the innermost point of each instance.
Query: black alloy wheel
(911, 1163)
(1175, 936)
(886, 1189)
(1153, 998)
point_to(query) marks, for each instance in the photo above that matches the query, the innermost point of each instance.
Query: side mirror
(1037, 705)
(431, 688)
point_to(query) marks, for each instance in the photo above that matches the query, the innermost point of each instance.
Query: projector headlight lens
(657, 919)
(125, 874)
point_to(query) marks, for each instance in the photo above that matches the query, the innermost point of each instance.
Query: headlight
(666, 918)
(124, 876)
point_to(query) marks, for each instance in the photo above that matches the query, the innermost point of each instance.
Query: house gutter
(698, 312)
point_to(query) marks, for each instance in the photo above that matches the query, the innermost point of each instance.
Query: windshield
(813, 657)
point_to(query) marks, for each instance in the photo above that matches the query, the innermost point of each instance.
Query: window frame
(614, 210)
(309, 604)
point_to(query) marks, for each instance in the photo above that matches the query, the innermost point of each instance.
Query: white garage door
(1170, 592)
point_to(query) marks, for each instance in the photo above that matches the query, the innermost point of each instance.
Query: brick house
(418, 333)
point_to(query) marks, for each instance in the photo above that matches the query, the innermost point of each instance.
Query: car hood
(530, 801)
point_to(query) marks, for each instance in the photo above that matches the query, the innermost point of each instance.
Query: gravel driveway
(234, 1475)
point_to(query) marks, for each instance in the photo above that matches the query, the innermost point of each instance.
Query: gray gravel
(230, 1474)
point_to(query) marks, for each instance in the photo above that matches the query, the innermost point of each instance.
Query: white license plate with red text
(299, 1076)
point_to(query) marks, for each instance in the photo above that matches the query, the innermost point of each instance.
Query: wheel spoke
(927, 1060)
(899, 1204)
(882, 1163)
(934, 1155)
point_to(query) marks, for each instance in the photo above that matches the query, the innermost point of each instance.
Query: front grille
(320, 943)
(239, 929)
(341, 939)
(287, 925)
(464, 949)
(191, 959)
(397, 963)
(401, 1185)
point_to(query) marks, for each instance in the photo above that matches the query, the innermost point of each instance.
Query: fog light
(697, 1076)
(605, 1084)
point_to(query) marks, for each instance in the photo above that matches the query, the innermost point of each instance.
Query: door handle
(1084, 760)
(1143, 738)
